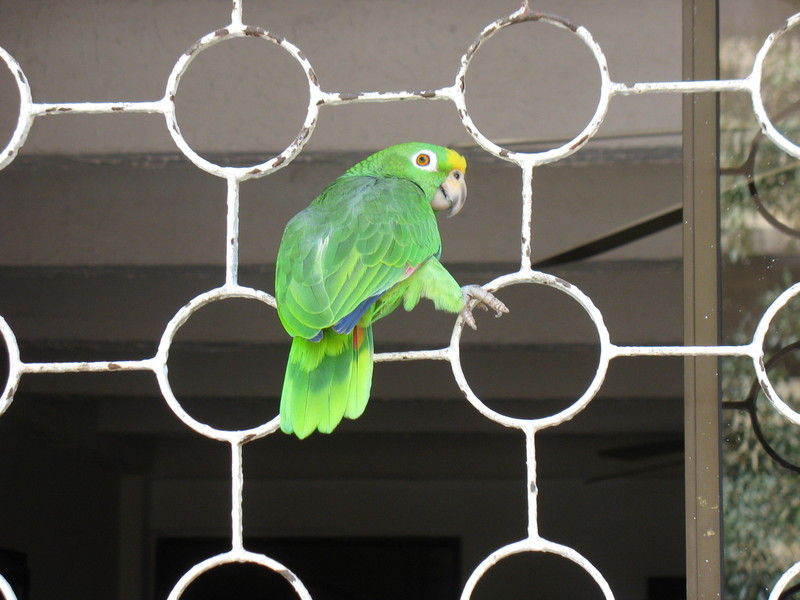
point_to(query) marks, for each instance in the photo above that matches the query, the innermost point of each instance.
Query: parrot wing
(358, 239)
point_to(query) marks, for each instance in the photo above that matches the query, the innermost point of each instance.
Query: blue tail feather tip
(348, 322)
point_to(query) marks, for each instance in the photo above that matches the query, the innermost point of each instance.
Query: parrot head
(437, 170)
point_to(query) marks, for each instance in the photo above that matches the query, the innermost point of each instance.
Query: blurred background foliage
(759, 236)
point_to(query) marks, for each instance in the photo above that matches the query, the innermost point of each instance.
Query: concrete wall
(243, 95)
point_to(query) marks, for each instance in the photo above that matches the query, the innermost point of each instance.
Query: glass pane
(760, 233)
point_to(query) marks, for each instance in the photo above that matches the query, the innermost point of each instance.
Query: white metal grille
(455, 93)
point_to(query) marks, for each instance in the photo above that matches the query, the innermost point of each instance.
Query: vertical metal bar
(237, 485)
(527, 214)
(232, 233)
(701, 300)
(236, 13)
(533, 488)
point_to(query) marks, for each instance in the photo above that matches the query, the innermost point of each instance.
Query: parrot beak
(451, 194)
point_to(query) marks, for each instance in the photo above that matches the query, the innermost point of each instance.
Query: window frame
(702, 411)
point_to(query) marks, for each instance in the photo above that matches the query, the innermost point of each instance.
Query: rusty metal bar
(39, 109)
(232, 234)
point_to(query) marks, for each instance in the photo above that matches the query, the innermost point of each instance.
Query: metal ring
(758, 358)
(14, 364)
(25, 119)
(535, 545)
(161, 370)
(535, 158)
(755, 90)
(784, 580)
(5, 590)
(272, 164)
(567, 413)
(237, 557)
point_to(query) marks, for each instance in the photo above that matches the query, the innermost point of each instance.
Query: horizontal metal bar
(336, 98)
(746, 350)
(62, 108)
(149, 364)
(682, 87)
(443, 354)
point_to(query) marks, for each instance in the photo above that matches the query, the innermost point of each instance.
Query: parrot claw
(484, 299)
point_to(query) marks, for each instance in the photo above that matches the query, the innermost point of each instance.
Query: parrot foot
(484, 299)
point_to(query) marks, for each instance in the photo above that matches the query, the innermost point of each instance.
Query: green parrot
(366, 244)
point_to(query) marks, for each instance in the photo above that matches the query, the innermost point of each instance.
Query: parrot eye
(425, 160)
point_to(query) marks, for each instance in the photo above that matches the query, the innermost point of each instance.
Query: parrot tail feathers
(361, 372)
(326, 381)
